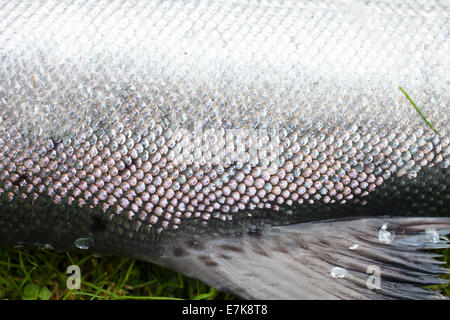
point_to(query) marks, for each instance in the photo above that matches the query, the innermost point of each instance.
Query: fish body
(248, 144)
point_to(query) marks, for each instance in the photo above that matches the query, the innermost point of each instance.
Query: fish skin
(144, 125)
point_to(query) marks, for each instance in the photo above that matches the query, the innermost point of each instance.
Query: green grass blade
(41, 274)
(418, 110)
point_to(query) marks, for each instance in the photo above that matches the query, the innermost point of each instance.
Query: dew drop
(47, 246)
(385, 236)
(83, 243)
(337, 272)
(432, 235)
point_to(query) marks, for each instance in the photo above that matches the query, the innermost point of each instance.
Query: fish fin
(299, 261)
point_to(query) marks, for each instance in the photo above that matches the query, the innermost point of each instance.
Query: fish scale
(136, 124)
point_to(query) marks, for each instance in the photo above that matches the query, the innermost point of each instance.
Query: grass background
(41, 274)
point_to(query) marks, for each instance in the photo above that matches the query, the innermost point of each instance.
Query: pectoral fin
(377, 258)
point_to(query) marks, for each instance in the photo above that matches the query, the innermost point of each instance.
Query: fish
(263, 147)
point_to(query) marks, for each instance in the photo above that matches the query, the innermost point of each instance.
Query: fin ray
(296, 261)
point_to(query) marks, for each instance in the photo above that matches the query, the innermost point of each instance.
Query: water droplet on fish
(432, 235)
(385, 236)
(83, 243)
(337, 272)
(354, 246)
(47, 246)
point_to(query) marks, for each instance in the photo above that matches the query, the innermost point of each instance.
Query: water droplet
(83, 243)
(385, 236)
(337, 272)
(432, 235)
(47, 246)
(354, 246)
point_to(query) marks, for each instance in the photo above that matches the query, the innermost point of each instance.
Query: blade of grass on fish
(418, 110)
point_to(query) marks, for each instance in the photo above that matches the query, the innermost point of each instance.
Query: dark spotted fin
(347, 259)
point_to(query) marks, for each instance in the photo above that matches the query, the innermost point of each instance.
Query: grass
(418, 110)
(41, 274)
